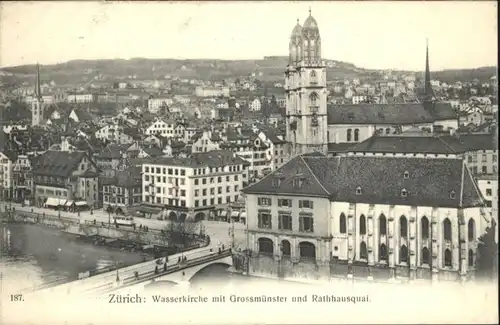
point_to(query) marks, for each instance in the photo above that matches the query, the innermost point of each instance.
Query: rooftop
(425, 182)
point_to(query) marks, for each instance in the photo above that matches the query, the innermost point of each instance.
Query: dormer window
(452, 195)
(297, 182)
(358, 190)
(404, 193)
(406, 175)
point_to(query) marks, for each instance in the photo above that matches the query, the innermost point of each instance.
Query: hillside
(267, 69)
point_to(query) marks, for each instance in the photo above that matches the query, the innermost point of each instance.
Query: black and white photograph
(241, 162)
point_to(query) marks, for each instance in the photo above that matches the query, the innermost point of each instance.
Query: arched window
(266, 246)
(382, 253)
(403, 254)
(343, 225)
(382, 224)
(307, 250)
(356, 134)
(349, 135)
(285, 248)
(387, 131)
(403, 226)
(313, 99)
(363, 252)
(424, 227)
(471, 257)
(425, 256)
(312, 77)
(447, 257)
(362, 225)
(471, 227)
(447, 229)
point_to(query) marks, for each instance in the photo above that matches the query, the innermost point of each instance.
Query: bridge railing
(83, 285)
(150, 275)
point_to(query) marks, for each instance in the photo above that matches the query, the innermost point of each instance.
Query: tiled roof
(441, 111)
(215, 158)
(430, 182)
(339, 147)
(57, 163)
(124, 178)
(83, 115)
(404, 144)
(12, 155)
(153, 152)
(365, 113)
(272, 135)
(471, 142)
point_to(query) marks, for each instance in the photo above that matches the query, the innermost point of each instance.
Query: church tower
(37, 104)
(306, 93)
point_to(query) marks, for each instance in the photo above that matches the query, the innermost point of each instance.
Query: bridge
(179, 269)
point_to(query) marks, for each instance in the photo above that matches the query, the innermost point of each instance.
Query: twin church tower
(306, 92)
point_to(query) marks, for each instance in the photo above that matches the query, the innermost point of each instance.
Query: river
(33, 255)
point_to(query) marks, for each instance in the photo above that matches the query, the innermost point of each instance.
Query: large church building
(314, 125)
(386, 216)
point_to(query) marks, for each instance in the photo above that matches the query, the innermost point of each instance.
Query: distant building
(212, 91)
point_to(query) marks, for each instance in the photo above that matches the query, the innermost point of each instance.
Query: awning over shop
(69, 203)
(223, 213)
(54, 202)
(81, 203)
(243, 215)
(235, 214)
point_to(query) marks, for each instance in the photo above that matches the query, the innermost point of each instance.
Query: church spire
(428, 92)
(38, 90)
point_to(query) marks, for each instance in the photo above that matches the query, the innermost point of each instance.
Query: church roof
(367, 113)
(310, 22)
(297, 30)
(430, 182)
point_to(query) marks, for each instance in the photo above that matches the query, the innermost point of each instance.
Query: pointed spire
(38, 90)
(429, 94)
(310, 11)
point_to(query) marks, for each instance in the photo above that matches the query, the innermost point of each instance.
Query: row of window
(165, 171)
(403, 227)
(51, 192)
(484, 158)
(212, 190)
(166, 180)
(349, 135)
(220, 200)
(122, 200)
(212, 180)
(119, 190)
(288, 203)
(307, 250)
(306, 223)
(425, 257)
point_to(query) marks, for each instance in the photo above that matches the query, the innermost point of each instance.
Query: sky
(374, 35)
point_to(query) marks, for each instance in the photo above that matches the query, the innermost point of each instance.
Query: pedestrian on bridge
(165, 267)
(179, 260)
(156, 269)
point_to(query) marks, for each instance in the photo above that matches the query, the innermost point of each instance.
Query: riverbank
(154, 242)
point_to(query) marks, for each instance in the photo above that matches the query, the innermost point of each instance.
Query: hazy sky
(381, 35)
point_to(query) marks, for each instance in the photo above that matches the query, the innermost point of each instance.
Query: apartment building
(193, 187)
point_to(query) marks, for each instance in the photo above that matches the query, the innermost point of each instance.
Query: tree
(180, 233)
(487, 254)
